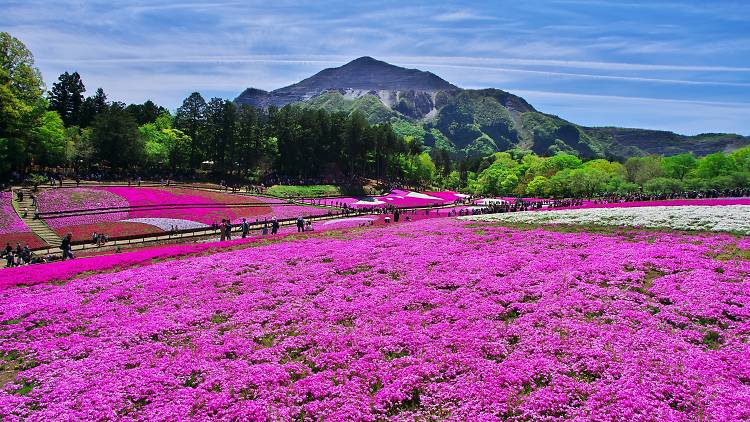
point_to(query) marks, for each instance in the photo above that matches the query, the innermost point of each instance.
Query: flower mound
(80, 199)
(440, 319)
(10, 222)
(131, 211)
(12, 229)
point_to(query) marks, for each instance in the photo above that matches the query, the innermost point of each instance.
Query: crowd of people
(18, 256)
(226, 227)
(99, 239)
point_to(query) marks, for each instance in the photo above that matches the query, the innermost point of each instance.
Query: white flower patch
(731, 218)
(166, 224)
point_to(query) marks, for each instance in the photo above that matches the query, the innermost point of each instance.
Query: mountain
(466, 121)
(407, 91)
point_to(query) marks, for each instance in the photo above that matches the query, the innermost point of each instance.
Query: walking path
(38, 226)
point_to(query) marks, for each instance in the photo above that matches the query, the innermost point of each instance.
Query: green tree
(715, 165)
(146, 112)
(641, 169)
(66, 98)
(678, 166)
(49, 144)
(587, 182)
(538, 187)
(92, 106)
(609, 167)
(22, 105)
(191, 120)
(742, 158)
(178, 149)
(499, 178)
(551, 165)
(116, 138)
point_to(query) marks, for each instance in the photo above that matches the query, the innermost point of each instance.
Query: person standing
(228, 228)
(66, 246)
(300, 224)
(26, 254)
(222, 230)
(274, 226)
(245, 228)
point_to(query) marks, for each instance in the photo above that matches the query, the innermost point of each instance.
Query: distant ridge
(468, 122)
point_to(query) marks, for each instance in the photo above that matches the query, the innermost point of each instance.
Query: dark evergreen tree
(116, 139)
(191, 119)
(92, 106)
(66, 98)
(146, 112)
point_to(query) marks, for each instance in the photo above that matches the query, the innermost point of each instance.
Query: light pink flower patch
(10, 222)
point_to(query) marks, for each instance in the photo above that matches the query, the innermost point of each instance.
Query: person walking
(265, 227)
(274, 226)
(66, 246)
(300, 224)
(222, 230)
(228, 228)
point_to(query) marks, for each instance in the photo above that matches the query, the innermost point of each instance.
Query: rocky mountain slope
(469, 122)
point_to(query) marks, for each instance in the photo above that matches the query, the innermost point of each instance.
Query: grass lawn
(313, 191)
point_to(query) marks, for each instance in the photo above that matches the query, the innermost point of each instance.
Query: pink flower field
(129, 211)
(397, 198)
(436, 319)
(12, 229)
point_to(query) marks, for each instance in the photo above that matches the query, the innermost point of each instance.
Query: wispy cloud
(164, 49)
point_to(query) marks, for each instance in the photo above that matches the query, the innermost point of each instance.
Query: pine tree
(66, 98)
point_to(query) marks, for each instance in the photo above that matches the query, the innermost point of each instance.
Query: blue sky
(678, 65)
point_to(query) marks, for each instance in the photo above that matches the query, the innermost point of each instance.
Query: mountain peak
(364, 74)
(364, 60)
(367, 73)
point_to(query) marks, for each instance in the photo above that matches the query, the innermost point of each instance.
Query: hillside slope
(470, 122)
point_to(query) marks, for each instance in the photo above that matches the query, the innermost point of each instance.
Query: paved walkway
(38, 226)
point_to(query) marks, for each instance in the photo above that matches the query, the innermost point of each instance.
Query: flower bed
(709, 202)
(403, 199)
(10, 222)
(441, 319)
(12, 228)
(730, 218)
(146, 210)
(113, 229)
(27, 238)
(74, 199)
